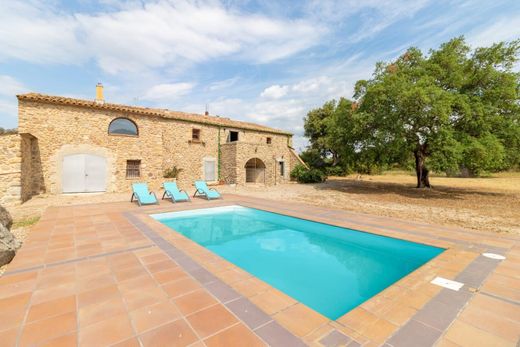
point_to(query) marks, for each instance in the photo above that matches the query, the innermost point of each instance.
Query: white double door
(84, 173)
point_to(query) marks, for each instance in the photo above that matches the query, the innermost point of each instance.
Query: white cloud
(168, 91)
(9, 88)
(274, 92)
(505, 29)
(32, 32)
(376, 15)
(218, 85)
(135, 37)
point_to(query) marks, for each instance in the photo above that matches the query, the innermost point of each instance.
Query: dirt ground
(484, 204)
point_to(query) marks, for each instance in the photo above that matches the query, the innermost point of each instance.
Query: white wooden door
(83, 173)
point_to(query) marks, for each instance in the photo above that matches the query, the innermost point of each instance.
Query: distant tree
(315, 126)
(8, 131)
(454, 108)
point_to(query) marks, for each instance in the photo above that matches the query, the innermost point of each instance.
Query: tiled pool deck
(108, 274)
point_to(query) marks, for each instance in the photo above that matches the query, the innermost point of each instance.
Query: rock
(5, 218)
(8, 245)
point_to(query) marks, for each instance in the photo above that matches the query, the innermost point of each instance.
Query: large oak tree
(453, 109)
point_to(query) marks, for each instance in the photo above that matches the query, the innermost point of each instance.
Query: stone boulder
(8, 245)
(5, 218)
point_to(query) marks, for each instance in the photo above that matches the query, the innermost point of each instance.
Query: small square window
(233, 136)
(268, 140)
(195, 134)
(133, 168)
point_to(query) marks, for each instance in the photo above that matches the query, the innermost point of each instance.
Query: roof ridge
(166, 113)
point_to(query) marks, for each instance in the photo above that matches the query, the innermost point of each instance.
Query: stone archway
(255, 171)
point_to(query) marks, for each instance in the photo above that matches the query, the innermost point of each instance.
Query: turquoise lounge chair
(173, 192)
(143, 195)
(203, 190)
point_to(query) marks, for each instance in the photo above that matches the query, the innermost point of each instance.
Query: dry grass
(484, 204)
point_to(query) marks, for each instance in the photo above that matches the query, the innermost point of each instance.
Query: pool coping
(352, 328)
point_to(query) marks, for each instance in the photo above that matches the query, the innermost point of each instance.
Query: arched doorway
(255, 171)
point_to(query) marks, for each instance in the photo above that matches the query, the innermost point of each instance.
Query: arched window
(123, 126)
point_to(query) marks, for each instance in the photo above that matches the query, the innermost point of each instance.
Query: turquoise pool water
(328, 268)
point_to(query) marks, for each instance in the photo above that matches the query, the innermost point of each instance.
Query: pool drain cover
(446, 283)
(494, 256)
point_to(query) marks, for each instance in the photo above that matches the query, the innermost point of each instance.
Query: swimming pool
(328, 268)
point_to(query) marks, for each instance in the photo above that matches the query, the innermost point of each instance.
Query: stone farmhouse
(67, 145)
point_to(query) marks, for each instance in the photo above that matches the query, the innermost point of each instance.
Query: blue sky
(261, 61)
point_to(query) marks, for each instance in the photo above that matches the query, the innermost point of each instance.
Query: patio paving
(109, 275)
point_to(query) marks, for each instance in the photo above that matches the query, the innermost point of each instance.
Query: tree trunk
(421, 171)
(335, 158)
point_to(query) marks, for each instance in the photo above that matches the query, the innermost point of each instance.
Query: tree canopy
(451, 110)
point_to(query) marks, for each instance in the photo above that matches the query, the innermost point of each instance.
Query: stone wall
(61, 130)
(10, 169)
(228, 155)
(270, 155)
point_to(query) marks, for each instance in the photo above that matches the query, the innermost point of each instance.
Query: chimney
(99, 94)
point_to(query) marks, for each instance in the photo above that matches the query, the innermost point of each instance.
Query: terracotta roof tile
(183, 116)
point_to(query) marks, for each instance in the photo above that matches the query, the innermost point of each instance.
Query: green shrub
(303, 175)
(335, 171)
(297, 172)
(172, 173)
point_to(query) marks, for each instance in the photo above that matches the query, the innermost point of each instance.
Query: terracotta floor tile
(85, 283)
(144, 297)
(53, 293)
(170, 275)
(205, 323)
(132, 342)
(251, 286)
(14, 303)
(129, 273)
(380, 331)
(107, 332)
(173, 334)
(20, 277)
(272, 301)
(466, 335)
(181, 287)
(237, 335)
(300, 319)
(8, 337)
(358, 319)
(399, 314)
(62, 341)
(149, 317)
(501, 326)
(94, 313)
(154, 258)
(194, 301)
(16, 288)
(142, 282)
(161, 266)
(47, 329)
(52, 308)
(233, 275)
(98, 295)
(443, 342)
(499, 307)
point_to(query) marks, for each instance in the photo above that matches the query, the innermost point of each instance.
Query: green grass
(27, 222)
